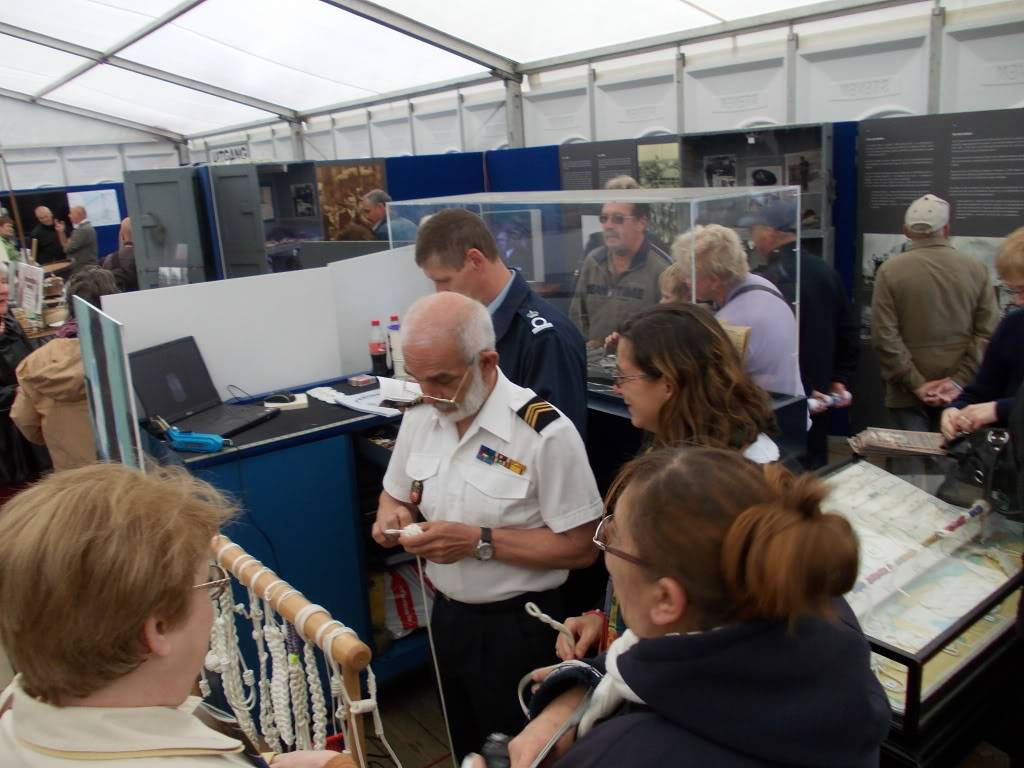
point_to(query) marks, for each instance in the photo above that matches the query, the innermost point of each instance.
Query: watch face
(484, 550)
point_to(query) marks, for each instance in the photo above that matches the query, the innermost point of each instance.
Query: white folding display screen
(281, 330)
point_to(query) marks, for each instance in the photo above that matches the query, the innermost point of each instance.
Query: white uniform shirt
(556, 489)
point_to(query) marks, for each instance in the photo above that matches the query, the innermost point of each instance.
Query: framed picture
(303, 201)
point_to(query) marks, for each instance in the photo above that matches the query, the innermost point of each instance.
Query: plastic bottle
(378, 349)
(395, 346)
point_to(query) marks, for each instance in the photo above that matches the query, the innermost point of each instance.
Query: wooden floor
(413, 724)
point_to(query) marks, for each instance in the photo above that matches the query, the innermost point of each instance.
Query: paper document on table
(399, 390)
(364, 402)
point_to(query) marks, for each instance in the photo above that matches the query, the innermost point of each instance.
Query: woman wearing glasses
(990, 398)
(740, 650)
(106, 587)
(682, 380)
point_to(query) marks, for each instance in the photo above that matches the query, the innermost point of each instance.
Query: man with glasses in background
(502, 481)
(621, 276)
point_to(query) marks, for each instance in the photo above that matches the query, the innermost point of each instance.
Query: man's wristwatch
(485, 547)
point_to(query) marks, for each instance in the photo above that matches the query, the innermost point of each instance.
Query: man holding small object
(502, 481)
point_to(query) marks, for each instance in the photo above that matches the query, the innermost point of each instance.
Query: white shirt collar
(42, 727)
(494, 305)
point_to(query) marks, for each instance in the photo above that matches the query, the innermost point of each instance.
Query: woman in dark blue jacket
(740, 651)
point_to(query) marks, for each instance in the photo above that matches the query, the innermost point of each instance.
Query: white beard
(472, 400)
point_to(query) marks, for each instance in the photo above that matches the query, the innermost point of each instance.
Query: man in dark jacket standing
(828, 326)
(539, 348)
(48, 247)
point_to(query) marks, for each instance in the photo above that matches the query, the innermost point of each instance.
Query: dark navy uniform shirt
(539, 348)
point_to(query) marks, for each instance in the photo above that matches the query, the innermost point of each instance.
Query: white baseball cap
(927, 214)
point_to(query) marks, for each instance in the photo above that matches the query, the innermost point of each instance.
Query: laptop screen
(171, 380)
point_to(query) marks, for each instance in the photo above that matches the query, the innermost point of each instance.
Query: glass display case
(937, 589)
(599, 256)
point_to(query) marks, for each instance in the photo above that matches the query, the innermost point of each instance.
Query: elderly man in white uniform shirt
(502, 480)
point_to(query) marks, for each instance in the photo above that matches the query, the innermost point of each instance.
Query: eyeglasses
(614, 218)
(603, 533)
(618, 377)
(454, 401)
(1013, 290)
(219, 581)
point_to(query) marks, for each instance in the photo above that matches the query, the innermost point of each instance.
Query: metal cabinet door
(165, 222)
(236, 195)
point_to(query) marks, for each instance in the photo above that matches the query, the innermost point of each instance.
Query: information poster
(974, 160)
(100, 205)
(28, 292)
(108, 386)
(590, 165)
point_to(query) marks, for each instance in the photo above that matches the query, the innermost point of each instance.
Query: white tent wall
(908, 60)
(45, 147)
(871, 65)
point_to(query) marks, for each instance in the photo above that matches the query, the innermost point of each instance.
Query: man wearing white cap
(932, 311)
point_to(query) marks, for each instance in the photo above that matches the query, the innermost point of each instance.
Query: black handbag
(990, 465)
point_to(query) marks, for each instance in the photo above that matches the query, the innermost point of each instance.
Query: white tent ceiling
(199, 66)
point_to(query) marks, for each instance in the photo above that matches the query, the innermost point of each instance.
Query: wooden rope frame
(351, 653)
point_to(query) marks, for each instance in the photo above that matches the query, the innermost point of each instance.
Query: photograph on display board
(659, 165)
(759, 175)
(803, 169)
(720, 170)
(341, 186)
(108, 386)
(303, 200)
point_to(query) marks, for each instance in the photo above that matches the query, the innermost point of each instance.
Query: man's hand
(59, 226)
(611, 343)
(390, 516)
(587, 631)
(841, 393)
(934, 392)
(946, 392)
(443, 541)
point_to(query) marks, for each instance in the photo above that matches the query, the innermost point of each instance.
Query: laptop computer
(172, 381)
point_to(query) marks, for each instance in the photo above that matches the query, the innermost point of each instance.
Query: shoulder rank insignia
(538, 413)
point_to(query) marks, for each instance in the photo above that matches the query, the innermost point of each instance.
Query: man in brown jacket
(933, 309)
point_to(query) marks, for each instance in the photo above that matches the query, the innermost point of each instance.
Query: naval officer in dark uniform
(538, 347)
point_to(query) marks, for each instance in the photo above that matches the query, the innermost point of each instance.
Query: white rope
(266, 710)
(279, 682)
(225, 659)
(315, 687)
(289, 690)
(433, 654)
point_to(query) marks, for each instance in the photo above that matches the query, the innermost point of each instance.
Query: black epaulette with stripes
(538, 413)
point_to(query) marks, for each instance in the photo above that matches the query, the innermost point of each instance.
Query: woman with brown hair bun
(741, 651)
